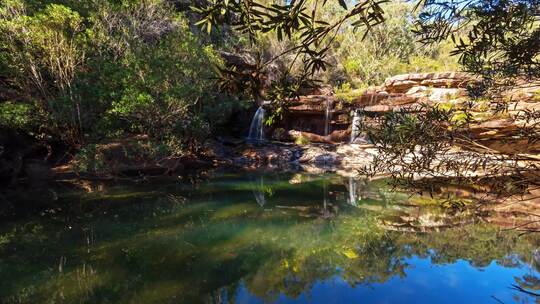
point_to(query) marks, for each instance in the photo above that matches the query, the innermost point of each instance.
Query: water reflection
(259, 191)
(171, 243)
(355, 188)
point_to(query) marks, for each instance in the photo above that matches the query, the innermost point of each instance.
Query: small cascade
(327, 117)
(256, 130)
(356, 126)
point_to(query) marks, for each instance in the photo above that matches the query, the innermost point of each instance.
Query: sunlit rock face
(401, 91)
(322, 117)
(402, 83)
(316, 114)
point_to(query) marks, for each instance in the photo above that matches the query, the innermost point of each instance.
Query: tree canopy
(491, 38)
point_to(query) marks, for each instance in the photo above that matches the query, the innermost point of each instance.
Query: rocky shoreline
(323, 120)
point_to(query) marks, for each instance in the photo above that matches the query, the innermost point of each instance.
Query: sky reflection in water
(288, 238)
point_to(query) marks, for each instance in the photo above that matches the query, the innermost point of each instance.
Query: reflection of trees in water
(161, 249)
(529, 284)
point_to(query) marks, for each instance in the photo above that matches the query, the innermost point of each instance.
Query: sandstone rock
(402, 83)
(379, 109)
(417, 90)
(412, 108)
(444, 83)
(401, 100)
(505, 144)
(518, 106)
(401, 86)
(445, 94)
(383, 94)
(340, 135)
(319, 156)
(420, 76)
(266, 155)
(310, 136)
(313, 104)
(371, 97)
(525, 92)
(319, 90)
(496, 124)
(495, 131)
(407, 92)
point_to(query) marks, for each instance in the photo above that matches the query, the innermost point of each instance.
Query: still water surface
(259, 238)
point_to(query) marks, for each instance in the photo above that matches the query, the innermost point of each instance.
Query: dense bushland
(106, 69)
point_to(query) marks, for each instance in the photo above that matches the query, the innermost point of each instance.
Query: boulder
(266, 155)
(340, 136)
(319, 156)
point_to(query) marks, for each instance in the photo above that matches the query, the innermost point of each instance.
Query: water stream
(328, 117)
(356, 128)
(256, 130)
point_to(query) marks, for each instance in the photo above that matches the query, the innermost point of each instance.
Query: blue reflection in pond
(316, 239)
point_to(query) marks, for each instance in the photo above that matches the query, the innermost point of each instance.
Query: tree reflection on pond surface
(262, 238)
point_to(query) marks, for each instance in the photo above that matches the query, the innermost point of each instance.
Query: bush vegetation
(390, 48)
(81, 73)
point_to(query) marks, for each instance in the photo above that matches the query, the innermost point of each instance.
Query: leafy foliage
(390, 48)
(300, 23)
(492, 38)
(112, 68)
(43, 54)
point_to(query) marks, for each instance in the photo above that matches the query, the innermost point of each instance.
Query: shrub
(117, 67)
(301, 140)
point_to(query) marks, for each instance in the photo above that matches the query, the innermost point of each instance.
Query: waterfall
(327, 117)
(356, 121)
(256, 130)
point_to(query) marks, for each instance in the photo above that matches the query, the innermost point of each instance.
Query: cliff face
(497, 130)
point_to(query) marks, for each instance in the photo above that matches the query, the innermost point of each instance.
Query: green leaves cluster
(496, 39)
